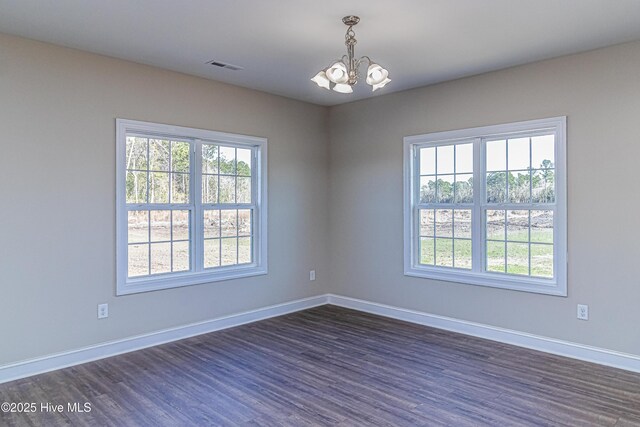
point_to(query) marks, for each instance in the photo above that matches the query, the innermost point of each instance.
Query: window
(487, 206)
(191, 206)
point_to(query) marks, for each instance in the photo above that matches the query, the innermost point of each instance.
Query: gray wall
(57, 218)
(599, 91)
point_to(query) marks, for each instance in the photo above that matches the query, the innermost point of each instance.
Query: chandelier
(343, 73)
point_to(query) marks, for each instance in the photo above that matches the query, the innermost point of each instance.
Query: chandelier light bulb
(376, 74)
(337, 73)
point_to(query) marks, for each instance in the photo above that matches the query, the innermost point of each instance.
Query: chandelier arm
(362, 60)
(365, 58)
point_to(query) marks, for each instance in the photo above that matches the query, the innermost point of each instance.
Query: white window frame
(478, 276)
(197, 275)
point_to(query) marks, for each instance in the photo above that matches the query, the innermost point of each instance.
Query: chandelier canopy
(343, 73)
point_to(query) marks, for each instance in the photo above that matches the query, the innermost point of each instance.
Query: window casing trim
(126, 285)
(479, 136)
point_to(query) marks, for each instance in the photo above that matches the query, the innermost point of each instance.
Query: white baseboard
(100, 351)
(601, 356)
(52, 362)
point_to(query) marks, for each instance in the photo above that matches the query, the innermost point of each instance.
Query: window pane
(464, 188)
(518, 258)
(445, 189)
(542, 152)
(160, 226)
(496, 187)
(136, 187)
(227, 160)
(244, 250)
(229, 251)
(464, 158)
(160, 258)
(244, 162)
(518, 153)
(211, 223)
(462, 253)
(138, 226)
(227, 189)
(444, 159)
(180, 225)
(495, 257)
(444, 252)
(244, 222)
(159, 155)
(158, 187)
(543, 186)
(427, 222)
(496, 155)
(428, 161)
(542, 260)
(180, 189)
(462, 223)
(211, 253)
(136, 153)
(210, 189)
(181, 256)
(244, 190)
(209, 158)
(542, 226)
(426, 251)
(444, 223)
(495, 225)
(180, 156)
(138, 260)
(228, 219)
(518, 226)
(427, 189)
(519, 190)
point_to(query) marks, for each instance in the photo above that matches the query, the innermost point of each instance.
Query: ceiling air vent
(226, 65)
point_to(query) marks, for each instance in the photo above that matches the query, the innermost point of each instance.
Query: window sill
(494, 280)
(148, 284)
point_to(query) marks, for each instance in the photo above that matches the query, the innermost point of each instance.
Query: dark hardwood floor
(332, 366)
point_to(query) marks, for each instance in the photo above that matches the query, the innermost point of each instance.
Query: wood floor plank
(330, 366)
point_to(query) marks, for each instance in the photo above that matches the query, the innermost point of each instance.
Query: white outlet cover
(103, 311)
(583, 312)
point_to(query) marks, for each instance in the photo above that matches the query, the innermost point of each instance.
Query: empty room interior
(288, 213)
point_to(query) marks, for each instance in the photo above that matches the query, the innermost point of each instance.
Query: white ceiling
(283, 43)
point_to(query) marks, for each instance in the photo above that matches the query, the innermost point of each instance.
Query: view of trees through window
(520, 170)
(161, 207)
(520, 175)
(227, 200)
(446, 192)
(157, 171)
(519, 182)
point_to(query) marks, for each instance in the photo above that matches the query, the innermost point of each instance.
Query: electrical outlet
(103, 311)
(312, 275)
(583, 312)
